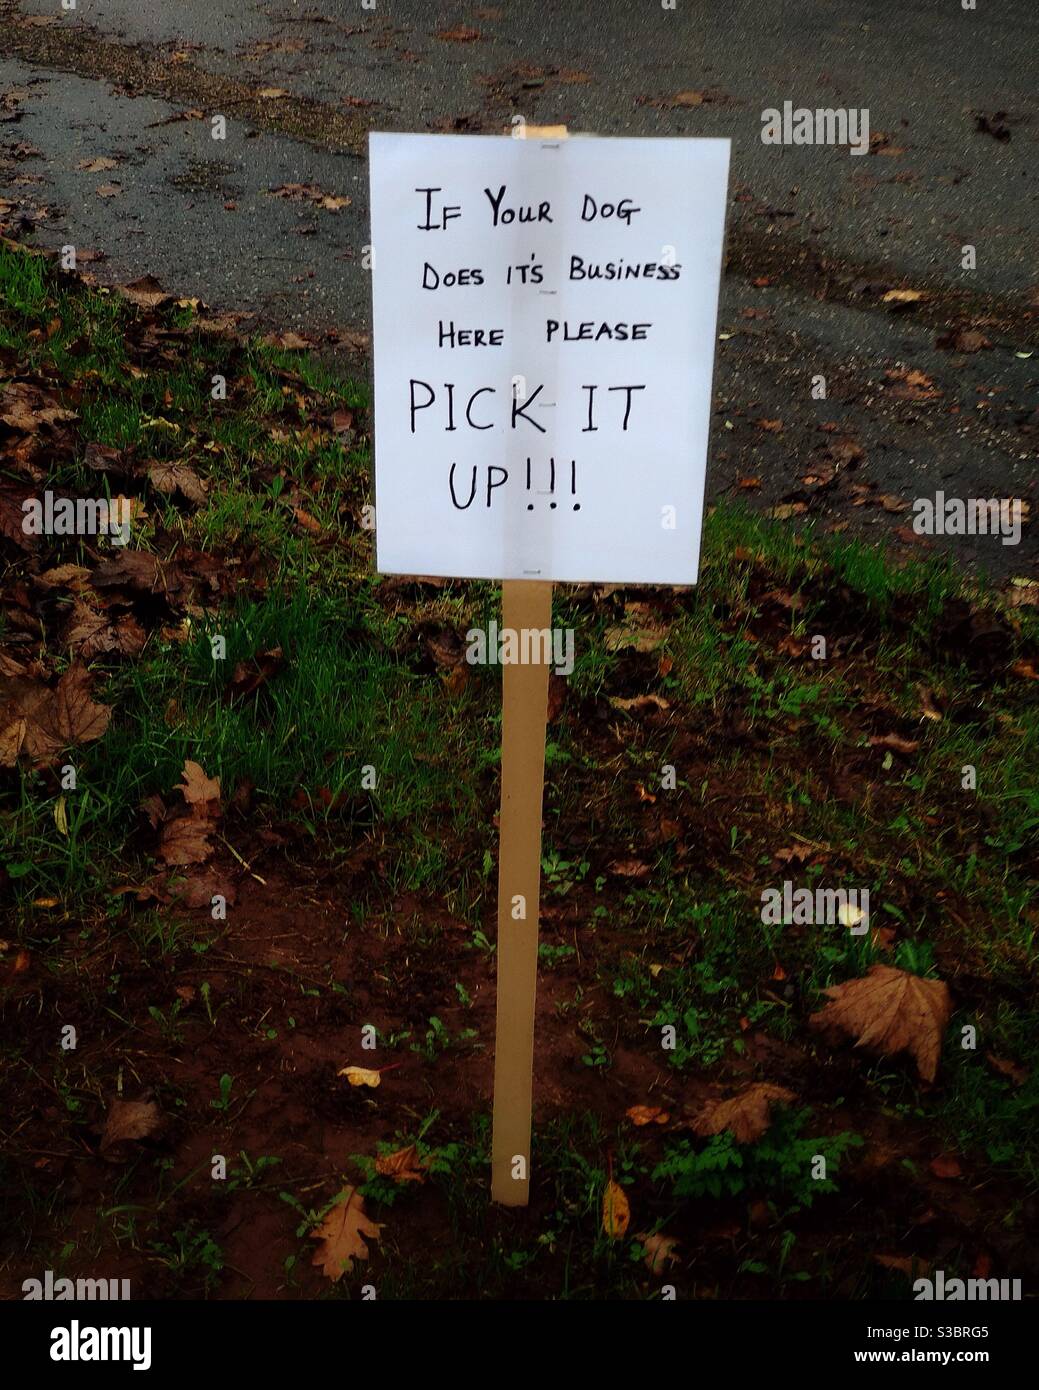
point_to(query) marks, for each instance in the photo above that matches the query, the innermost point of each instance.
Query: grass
(663, 824)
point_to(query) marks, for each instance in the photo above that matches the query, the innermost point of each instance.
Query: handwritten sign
(544, 325)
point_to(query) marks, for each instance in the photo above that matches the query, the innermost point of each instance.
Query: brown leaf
(169, 478)
(945, 1166)
(890, 1011)
(403, 1166)
(97, 166)
(629, 868)
(145, 292)
(689, 98)
(186, 841)
(342, 1235)
(108, 190)
(895, 742)
(770, 426)
(202, 793)
(962, 340)
(647, 1115)
(459, 34)
(902, 297)
(660, 1250)
(74, 717)
(746, 1115)
(638, 704)
(616, 1213)
(129, 1119)
(911, 385)
(272, 93)
(1013, 1071)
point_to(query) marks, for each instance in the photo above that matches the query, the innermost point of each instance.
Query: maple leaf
(130, 1119)
(342, 1235)
(202, 793)
(186, 841)
(890, 1011)
(616, 1213)
(746, 1115)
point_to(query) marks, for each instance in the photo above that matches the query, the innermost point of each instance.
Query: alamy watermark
(78, 516)
(973, 516)
(806, 906)
(527, 646)
(821, 126)
(974, 1290)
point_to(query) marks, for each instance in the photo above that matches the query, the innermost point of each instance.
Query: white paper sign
(544, 321)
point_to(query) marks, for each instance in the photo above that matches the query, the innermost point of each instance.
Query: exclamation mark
(552, 480)
(573, 483)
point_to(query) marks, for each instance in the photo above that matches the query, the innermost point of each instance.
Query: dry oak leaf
(342, 1235)
(647, 1115)
(169, 478)
(660, 1250)
(98, 165)
(360, 1076)
(130, 1119)
(890, 1011)
(746, 1116)
(403, 1166)
(616, 1213)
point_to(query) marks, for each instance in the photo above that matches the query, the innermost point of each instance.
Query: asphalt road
(817, 234)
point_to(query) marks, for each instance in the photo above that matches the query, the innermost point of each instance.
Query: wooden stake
(525, 604)
(524, 717)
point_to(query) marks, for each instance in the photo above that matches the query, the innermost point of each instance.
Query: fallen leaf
(638, 704)
(785, 510)
(459, 34)
(170, 478)
(895, 742)
(96, 166)
(145, 292)
(962, 340)
(129, 1119)
(108, 190)
(659, 1250)
(890, 1011)
(904, 296)
(342, 1235)
(616, 1213)
(271, 93)
(911, 385)
(629, 868)
(770, 426)
(928, 706)
(1013, 1071)
(403, 1166)
(746, 1116)
(360, 1076)
(647, 1115)
(202, 793)
(945, 1166)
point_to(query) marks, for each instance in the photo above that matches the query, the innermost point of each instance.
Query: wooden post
(525, 604)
